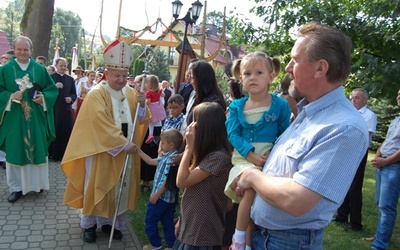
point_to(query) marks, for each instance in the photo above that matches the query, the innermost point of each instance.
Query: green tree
(374, 29)
(159, 65)
(125, 32)
(385, 113)
(11, 17)
(138, 66)
(217, 18)
(67, 27)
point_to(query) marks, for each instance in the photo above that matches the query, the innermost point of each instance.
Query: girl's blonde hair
(91, 72)
(154, 83)
(274, 65)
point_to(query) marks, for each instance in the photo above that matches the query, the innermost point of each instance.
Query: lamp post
(190, 18)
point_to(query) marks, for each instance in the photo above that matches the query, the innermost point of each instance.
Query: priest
(97, 149)
(27, 97)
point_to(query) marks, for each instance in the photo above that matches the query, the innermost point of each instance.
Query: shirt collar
(363, 109)
(322, 103)
(176, 118)
(174, 151)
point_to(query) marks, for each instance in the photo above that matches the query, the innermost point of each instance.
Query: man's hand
(378, 162)
(240, 183)
(59, 85)
(38, 99)
(68, 99)
(17, 96)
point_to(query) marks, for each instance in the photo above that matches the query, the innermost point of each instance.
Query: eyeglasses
(173, 107)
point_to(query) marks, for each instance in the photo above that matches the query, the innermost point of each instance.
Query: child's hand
(258, 160)
(130, 148)
(135, 148)
(177, 225)
(191, 134)
(154, 198)
(175, 159)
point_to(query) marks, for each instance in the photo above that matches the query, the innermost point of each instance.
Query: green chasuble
(27, 129)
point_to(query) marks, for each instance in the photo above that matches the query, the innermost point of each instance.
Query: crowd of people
(268, 171)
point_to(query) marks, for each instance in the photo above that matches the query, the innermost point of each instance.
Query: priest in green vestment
(27, 96)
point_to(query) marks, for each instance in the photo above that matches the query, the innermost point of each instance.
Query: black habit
(63, 116)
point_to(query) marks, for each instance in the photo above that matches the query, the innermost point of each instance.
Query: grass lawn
(335, 236)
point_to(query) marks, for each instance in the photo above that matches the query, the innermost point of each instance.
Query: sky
(137, 14)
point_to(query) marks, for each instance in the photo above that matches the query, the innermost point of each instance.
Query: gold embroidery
(27, 110)
(29, 151)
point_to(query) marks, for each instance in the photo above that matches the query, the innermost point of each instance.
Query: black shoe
(334, 219)
(117, 234)
(3, 164)
(14, 196)
(89, 235)
(352, 227)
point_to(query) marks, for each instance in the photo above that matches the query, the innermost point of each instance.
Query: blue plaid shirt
(161, 175)
(172, 122)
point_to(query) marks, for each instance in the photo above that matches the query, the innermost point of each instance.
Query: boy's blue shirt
(172, 122)
(161, 176)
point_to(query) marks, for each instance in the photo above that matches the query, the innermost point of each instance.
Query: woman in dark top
(205, 84)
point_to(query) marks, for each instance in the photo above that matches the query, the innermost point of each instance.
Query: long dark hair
(234, 86)
(211, 132)
(205, 84)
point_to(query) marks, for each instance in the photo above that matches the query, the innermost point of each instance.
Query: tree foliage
(385, 113)
(159, 65)
(138, 66)
(11, 17)
(67, 28)
(373, 26)
(217, 18)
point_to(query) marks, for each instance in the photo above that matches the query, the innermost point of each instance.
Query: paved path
(42, 221)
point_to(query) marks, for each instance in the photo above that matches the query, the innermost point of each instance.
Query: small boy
(176, 117)
(161, 207)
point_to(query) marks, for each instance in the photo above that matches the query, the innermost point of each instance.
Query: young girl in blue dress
(253, 124)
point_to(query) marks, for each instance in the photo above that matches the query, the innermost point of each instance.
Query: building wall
(4, 43)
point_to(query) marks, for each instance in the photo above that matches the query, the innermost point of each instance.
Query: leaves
(10, 17)
(373, 26)
(67, 29)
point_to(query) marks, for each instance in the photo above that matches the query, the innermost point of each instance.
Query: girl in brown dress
(203, 173)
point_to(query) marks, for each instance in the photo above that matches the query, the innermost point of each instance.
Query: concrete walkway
(42, 221)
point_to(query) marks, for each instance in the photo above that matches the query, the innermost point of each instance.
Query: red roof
(4, 43)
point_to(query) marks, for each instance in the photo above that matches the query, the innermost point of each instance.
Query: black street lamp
(191, 16)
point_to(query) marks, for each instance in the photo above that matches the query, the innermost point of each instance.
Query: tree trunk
(37, 23)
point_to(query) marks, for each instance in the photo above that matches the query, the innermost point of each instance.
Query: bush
(385, 112)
